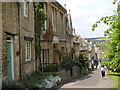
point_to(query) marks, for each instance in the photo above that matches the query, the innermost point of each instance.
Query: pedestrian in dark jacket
(102, 71)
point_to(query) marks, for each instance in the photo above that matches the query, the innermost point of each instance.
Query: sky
(84, 13)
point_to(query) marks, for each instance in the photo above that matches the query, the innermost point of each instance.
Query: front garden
(36, 81)
(50, 76)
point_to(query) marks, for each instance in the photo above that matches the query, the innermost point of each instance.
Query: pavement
(92, 80)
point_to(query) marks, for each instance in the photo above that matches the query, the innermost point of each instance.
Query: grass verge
(115, 76)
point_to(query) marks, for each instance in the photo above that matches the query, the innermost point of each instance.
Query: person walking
(102, 71)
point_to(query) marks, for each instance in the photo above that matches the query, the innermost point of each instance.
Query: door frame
(12, 55)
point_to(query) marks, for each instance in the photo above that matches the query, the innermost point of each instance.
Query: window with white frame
(45, 56)
(45, 11)
(25, 8)
(28, 51)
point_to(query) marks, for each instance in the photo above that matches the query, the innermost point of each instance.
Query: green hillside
(97, 39)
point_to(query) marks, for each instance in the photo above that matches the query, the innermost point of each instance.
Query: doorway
(10, 65)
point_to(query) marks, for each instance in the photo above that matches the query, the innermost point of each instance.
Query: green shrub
(14, 85)
(40, 80)
(83, 72)
(51, 68)
(83, 59)
(79, 64)
(83, 56)
(67, 62)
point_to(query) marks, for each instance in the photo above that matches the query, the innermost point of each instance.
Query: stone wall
(16, 25)
(66, 74)
(10, 17)
(27, 30)
(4, 60)
(10, 27)
(0, 45)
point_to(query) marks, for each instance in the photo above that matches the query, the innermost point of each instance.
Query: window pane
(28, 50)
(25, 8)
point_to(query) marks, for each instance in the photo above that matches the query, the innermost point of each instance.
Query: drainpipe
(36, 58)
(1, 38)
(20, 66)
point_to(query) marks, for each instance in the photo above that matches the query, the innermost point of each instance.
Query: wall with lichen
(0, 45)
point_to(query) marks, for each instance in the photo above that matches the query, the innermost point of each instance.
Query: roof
(88, 44)
(77, 39)
(60, 6)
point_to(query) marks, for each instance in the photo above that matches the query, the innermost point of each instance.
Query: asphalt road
(91, 81)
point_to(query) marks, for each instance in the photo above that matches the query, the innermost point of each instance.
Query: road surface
(93, 80)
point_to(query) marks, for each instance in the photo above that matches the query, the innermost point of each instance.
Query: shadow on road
(85, 77)
(92, 80)
(76, 79)
(92, 73)
(114, 74)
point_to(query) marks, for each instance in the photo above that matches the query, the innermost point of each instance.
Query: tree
(112, 54)
(83, 59)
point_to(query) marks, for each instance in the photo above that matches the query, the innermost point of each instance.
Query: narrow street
(54, 44)
(93, 80)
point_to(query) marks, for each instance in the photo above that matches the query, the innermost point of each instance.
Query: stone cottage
(53, 38)
(18, 59)
(70, 34)
(76, 44)
(90, 50)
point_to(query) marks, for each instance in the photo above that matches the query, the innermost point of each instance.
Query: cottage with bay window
(53, 38)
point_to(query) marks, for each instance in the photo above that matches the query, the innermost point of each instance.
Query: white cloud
(86, 12)
(92, 19)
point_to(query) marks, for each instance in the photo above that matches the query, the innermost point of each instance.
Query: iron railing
(49, 67)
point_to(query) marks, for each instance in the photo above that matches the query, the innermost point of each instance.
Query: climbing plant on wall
(40, 17)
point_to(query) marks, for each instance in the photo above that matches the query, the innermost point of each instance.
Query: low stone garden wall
(70, 74)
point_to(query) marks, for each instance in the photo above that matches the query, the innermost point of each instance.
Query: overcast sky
(86, 12)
